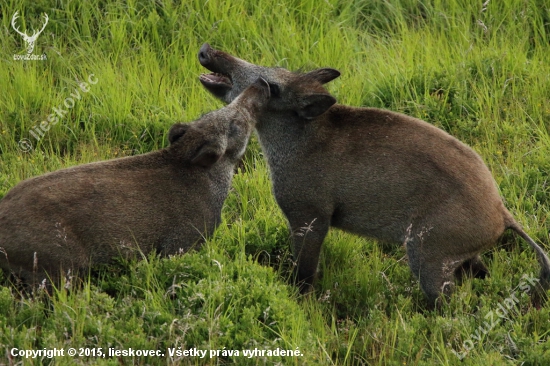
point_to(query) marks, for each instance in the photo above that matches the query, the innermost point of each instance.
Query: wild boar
(167, 200)
(371, 172)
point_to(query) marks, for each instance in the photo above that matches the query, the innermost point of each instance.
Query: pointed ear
(274, 90)
(255, 96)
(176, 132)
(324, 75)
(313, 105)
(262, 87)
(209, 153)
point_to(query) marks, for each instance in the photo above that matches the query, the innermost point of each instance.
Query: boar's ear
(263, 87)
(274, 89)
(324, 75)
(209, 153)
(256, 95)
(314, 105)
(177, 131)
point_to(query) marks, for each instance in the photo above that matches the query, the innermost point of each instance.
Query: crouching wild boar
(166, 200)
(369, 171)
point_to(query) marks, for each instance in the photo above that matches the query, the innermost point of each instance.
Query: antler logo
(29, 40)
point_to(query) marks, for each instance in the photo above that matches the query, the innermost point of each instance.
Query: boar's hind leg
(308, 233)
(434, 272)
(474, 267)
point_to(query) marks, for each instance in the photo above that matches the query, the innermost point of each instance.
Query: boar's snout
(219, 81)
(214, 60)
(204, 54)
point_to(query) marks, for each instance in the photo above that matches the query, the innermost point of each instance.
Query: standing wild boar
(369, 171)
(166, 200)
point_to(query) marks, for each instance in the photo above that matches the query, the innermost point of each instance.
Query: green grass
(482, 74)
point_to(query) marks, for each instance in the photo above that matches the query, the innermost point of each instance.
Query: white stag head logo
(29, 40)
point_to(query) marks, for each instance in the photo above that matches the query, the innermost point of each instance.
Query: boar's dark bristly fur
(371, 172)
(167, 200)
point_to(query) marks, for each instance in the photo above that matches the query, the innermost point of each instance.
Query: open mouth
(216, 79)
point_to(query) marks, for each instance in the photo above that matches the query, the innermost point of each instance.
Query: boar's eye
(274, 90)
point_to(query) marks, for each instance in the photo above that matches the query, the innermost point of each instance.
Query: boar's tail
(543, 258)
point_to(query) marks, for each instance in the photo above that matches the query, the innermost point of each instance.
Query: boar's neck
(282, 139)
(210, 183)
(219, 179)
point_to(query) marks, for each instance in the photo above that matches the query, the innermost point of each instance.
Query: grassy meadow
(479, 70)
